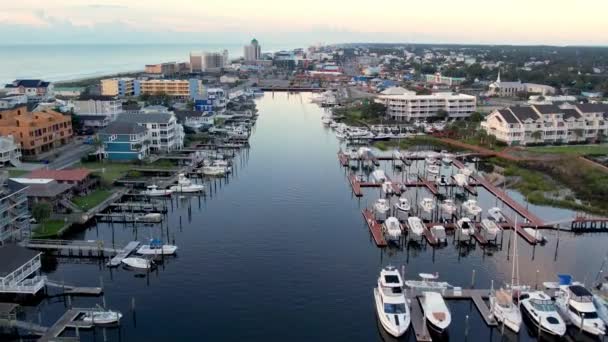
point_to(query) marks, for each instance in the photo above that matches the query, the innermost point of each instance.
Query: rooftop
(60, 175)
(14, 256)
(123, 127)
(145, 118)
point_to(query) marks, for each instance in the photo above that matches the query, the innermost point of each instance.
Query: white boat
(465, 227)
(340, 135)
(535, 233)
(430, 160)
(139, 263)
(392, 229)
(427, 282)
(391, 305)
(427, 204)
(446, 160)
(381, 208)
(601, 305)
(403, 204)
(326, 120)
(154, 191)
(461, 179)
(433, 169)
(542, 311)
(435, 310)
(101, 317)
(443, 180)
(397, 155)
(466, 171)
(496, 214)
(489, 229)
(471, 207)
(149, 218)
(448, 206)
(416, 226)
(214, 170)
(185, 185)
(387, 188)
(379, 176)
(156, 247)
(438, 232)
(333, 124)
(505, 310)
(573, 301)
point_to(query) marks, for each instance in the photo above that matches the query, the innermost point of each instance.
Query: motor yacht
(185, 185)
(433, 169)
(461, 180)
(496, 214)
(381, 209)
(465, 227)
(156, 247)
(471, 207)
(489, 229)
(543, 313)
(505, 310)
(387, 188)
(403, 205)
(154, 191)
(448, 207)
(438, 232)
(101, 317)
(138, 263)
(391, 305)
(575, 304)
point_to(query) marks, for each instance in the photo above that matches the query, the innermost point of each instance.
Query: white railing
(30, 286)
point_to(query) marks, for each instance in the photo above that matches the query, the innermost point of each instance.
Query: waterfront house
(82, 180)
(97, 111)
(14, 214)
(194, 119)
(10, 151)
(125, 141)
(165, 133)
(37, 132)
(19, 270)
(12, 101)
(45, 190)
(33, 89)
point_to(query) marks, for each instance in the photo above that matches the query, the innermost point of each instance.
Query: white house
(34, 89)
(512, 89)
(166, 134)
(12, 101)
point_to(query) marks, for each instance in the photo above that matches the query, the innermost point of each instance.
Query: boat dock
(88, 248)
(75, 290)
(67, 320)
(125, 252)
(125, 217)
(374, 227)
(157, 206)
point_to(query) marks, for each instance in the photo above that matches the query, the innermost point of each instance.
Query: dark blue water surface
(280, 252)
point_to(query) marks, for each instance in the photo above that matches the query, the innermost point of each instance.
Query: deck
(374, 227)
(125, 252)
(66, 321)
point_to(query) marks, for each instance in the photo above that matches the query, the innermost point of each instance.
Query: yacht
(138, 263)
(340, 135)
(391, 305)
(387, 188)
(433, 169)
(101, 317)
(436, 311)
(381, 209)
(465, 226)
(427, 204)
(438, 232)
(326, 120)
(214, 170)
(496, 214)
(392, 229)
(448, 206)
(505, 310)
(471, 207)
(403, 204)
(535, 233)
(489, 229)
(185, 185)
(575, 303)
(156, 247)
(467, 171)
(154, 191)
(461, 180)
(542, 312)
(427, 282)
(416, 227)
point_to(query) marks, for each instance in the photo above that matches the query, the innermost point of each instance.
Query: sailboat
(502, 305)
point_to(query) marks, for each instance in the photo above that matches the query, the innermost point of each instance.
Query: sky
(551, 22)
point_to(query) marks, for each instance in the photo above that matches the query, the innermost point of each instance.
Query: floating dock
(374, 227)
(67, 320)
(125, 252)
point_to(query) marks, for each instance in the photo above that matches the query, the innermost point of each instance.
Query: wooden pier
(67, 320)
(75, 290)
(125, 217)
(125, 252)
(139, 207)
(374, 227)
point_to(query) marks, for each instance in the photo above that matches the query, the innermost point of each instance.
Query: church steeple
(498, 78)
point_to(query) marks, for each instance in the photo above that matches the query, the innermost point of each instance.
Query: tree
(41, 212)
(373, 110)
(476, 117)
(441, 114)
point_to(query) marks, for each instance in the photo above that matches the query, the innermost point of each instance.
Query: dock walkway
(67, 320)
(125, 252)
(374, 227)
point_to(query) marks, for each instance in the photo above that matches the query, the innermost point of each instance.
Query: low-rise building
(438, 78)
(119, 86)
(97, 111)
(548, 124)
(20, 275)
(166, 134)
(33, 89)
(13, 211)
(37, 132)
(125, 141)
(10, 151)
(408, 106)
(12, 101)
(81, 180)
(45, 190)
(513, 89)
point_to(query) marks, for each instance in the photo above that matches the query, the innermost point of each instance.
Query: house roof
(28, 84)
(51, 189)
(123, 127)
(145, 117)
(14, 256)
(508, 116)
(183, 114)
(91, 117)
(88, 97)
(548, 109)
(61, 175)
(524, 113)
(131, 106)
(571, 113)
(592, 107)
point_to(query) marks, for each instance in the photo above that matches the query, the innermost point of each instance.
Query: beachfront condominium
(37, 132)
(408, 106)
(136, 87)
(212, 61)
(253, 51)
(196, 62)
(123, 87)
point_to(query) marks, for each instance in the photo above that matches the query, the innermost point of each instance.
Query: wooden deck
(343, 159)
(374, 227)
(418, 322)
(430, 185)
(66, 321)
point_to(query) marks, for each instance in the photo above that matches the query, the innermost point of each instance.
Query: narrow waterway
(280, 251)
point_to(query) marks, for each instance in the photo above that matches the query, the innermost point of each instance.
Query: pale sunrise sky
(558, 22)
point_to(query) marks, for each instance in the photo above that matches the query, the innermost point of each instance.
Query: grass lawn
(409, 142)
(17, 173)
(113, 171)
(91, 200)
(572, 149)
(48, 229)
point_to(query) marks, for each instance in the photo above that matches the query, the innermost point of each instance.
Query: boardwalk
(374, 227)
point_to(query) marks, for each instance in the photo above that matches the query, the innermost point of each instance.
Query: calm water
(66, 62)
(280, 252)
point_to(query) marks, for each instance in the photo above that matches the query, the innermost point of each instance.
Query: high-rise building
(196, 62)
(212, 61)
(253, 51)
(226, 57)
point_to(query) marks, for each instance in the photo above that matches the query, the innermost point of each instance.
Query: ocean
(70, 61)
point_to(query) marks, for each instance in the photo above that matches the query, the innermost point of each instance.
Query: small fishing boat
(433, 169)
(542, 311)
(138, 263)
(496, 214)
(471, 207)
(448, 207)
(415, 226)
(465, 227)
(154, 191)
(435, 310)
(461, 180)
(156, 247)
(391, 305)
(149, 218)
(392, 229)
(489, 229)
(505, 310)
(427, 204)
(438, 232)
(379, 176)
(214, 170)
(381, 208)
(185, 185)
(340, 135)
(101, 317)
(403, 204)
(387, 188)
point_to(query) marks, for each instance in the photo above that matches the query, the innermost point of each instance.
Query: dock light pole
(466, 326)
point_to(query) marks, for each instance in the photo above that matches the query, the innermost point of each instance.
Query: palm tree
(99, 147)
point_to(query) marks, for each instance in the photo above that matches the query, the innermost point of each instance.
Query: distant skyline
(518, 22)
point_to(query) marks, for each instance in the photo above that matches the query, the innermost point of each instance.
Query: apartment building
(212, 61)
(134, 87)
(253, 51)
(196, 62)
(33, 89)
(13, 211)
(124, 86)
(98, 105)
(166, 69)
(165, 133)
(438, 78)
(10, 151)
(408, 106)
(37, 132)
(548, 124)
(125, 141)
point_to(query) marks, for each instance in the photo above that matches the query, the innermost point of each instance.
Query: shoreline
(88, 79)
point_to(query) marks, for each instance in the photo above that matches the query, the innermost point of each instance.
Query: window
(394, 308)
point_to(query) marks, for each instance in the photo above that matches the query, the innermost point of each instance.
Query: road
(70, 156)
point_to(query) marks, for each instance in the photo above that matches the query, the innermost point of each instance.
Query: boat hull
(395, 331)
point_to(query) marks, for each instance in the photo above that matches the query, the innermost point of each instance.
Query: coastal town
(441, 149)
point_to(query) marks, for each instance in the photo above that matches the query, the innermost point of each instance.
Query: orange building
(37, 132)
